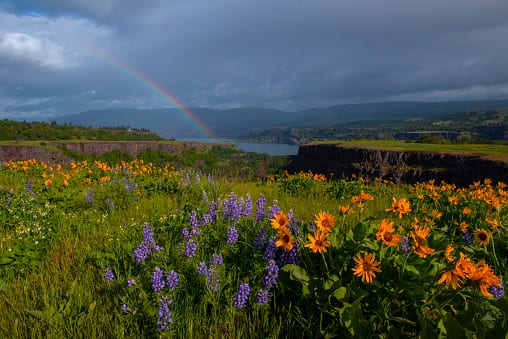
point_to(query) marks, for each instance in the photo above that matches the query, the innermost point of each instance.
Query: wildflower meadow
(140, 250)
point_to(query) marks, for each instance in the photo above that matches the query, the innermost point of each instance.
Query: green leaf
(297, 273)
(340, 293)
(451, 327)
(412, 269)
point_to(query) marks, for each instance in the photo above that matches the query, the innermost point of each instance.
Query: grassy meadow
(134, 249)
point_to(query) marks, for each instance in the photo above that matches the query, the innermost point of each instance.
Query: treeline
(464, 127)
(23, 130)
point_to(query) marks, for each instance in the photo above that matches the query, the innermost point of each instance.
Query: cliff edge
(339, 162)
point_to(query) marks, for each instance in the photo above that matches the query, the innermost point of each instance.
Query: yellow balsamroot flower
(450, 278)
(400, 206)
(448, 253)
(493, 223)
(285, 239)
(325, 221)
(482, 236)
(385, 234)
(280, 220)
(318, 242)
(344, 209)
(466, 210)
(366, 267)
(48, 183)
(419, 236)
(485, 277)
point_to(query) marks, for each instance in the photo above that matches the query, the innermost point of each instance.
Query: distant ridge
(231, 123)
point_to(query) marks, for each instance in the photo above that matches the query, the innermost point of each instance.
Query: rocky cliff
(400, 166)
(51, 153)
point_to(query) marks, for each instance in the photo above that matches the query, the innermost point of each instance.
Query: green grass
(52, 280)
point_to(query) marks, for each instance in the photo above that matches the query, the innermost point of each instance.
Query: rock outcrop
(401, 166)
(51, 152)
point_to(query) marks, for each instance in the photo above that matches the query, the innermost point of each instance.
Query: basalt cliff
(400, 166)
(59, 151)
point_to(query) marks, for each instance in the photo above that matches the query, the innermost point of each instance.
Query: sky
(60, 57)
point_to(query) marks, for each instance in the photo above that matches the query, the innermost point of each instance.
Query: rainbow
(153, 87)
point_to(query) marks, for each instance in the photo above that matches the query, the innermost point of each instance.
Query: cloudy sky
(61, 57)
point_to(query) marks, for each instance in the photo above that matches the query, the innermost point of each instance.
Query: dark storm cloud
(288, 54)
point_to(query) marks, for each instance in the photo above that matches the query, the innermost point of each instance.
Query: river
(270, 149)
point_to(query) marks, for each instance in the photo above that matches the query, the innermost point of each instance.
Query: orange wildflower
(285, 239)
(344, 209)
(400, 206)
(482, 236)
(466, 210)
(366, 267)
(318, 242)
(463, 226)
(280, 220)
(419, 236)
(450, 278)
(494, 224)
(448, 253)
(385, 234)
(325, 221)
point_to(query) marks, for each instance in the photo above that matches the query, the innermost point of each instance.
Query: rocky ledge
(400, 166)
(52, 151)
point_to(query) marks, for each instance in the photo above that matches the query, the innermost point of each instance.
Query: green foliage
(16, 130)
(59, 236)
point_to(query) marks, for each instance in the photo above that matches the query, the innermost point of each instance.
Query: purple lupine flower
(172, 279)
(148, 237)
(202, 268)
(158, 282)
(260, 240)
(289, 257)
(404, 245)
(193, 219)
(131, 186)
(497, 291)
(213, 279)
(124, 181)
(232, 235)
(232, 208)
(109, 275)
(9, 201)
(207, 219)
(216, 259)
(125, 308)
(205, 196)
(242, 296)
(274, 209)
(247, 206)
(213, 211)
(312, 226)
(88, 197)
(110, 204)
(131, 282)
(260, 208)
(190, 248)
(141, 252)
(186, 234)
(262, 297)
(270, 249)
(209, 178)
(29, 186)
(198, 179)
(272, 274)
(468, 238)
(164, 314)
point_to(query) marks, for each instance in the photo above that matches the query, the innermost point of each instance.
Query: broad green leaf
(340, 293)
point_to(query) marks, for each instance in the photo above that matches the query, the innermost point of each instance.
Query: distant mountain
(231, 123)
